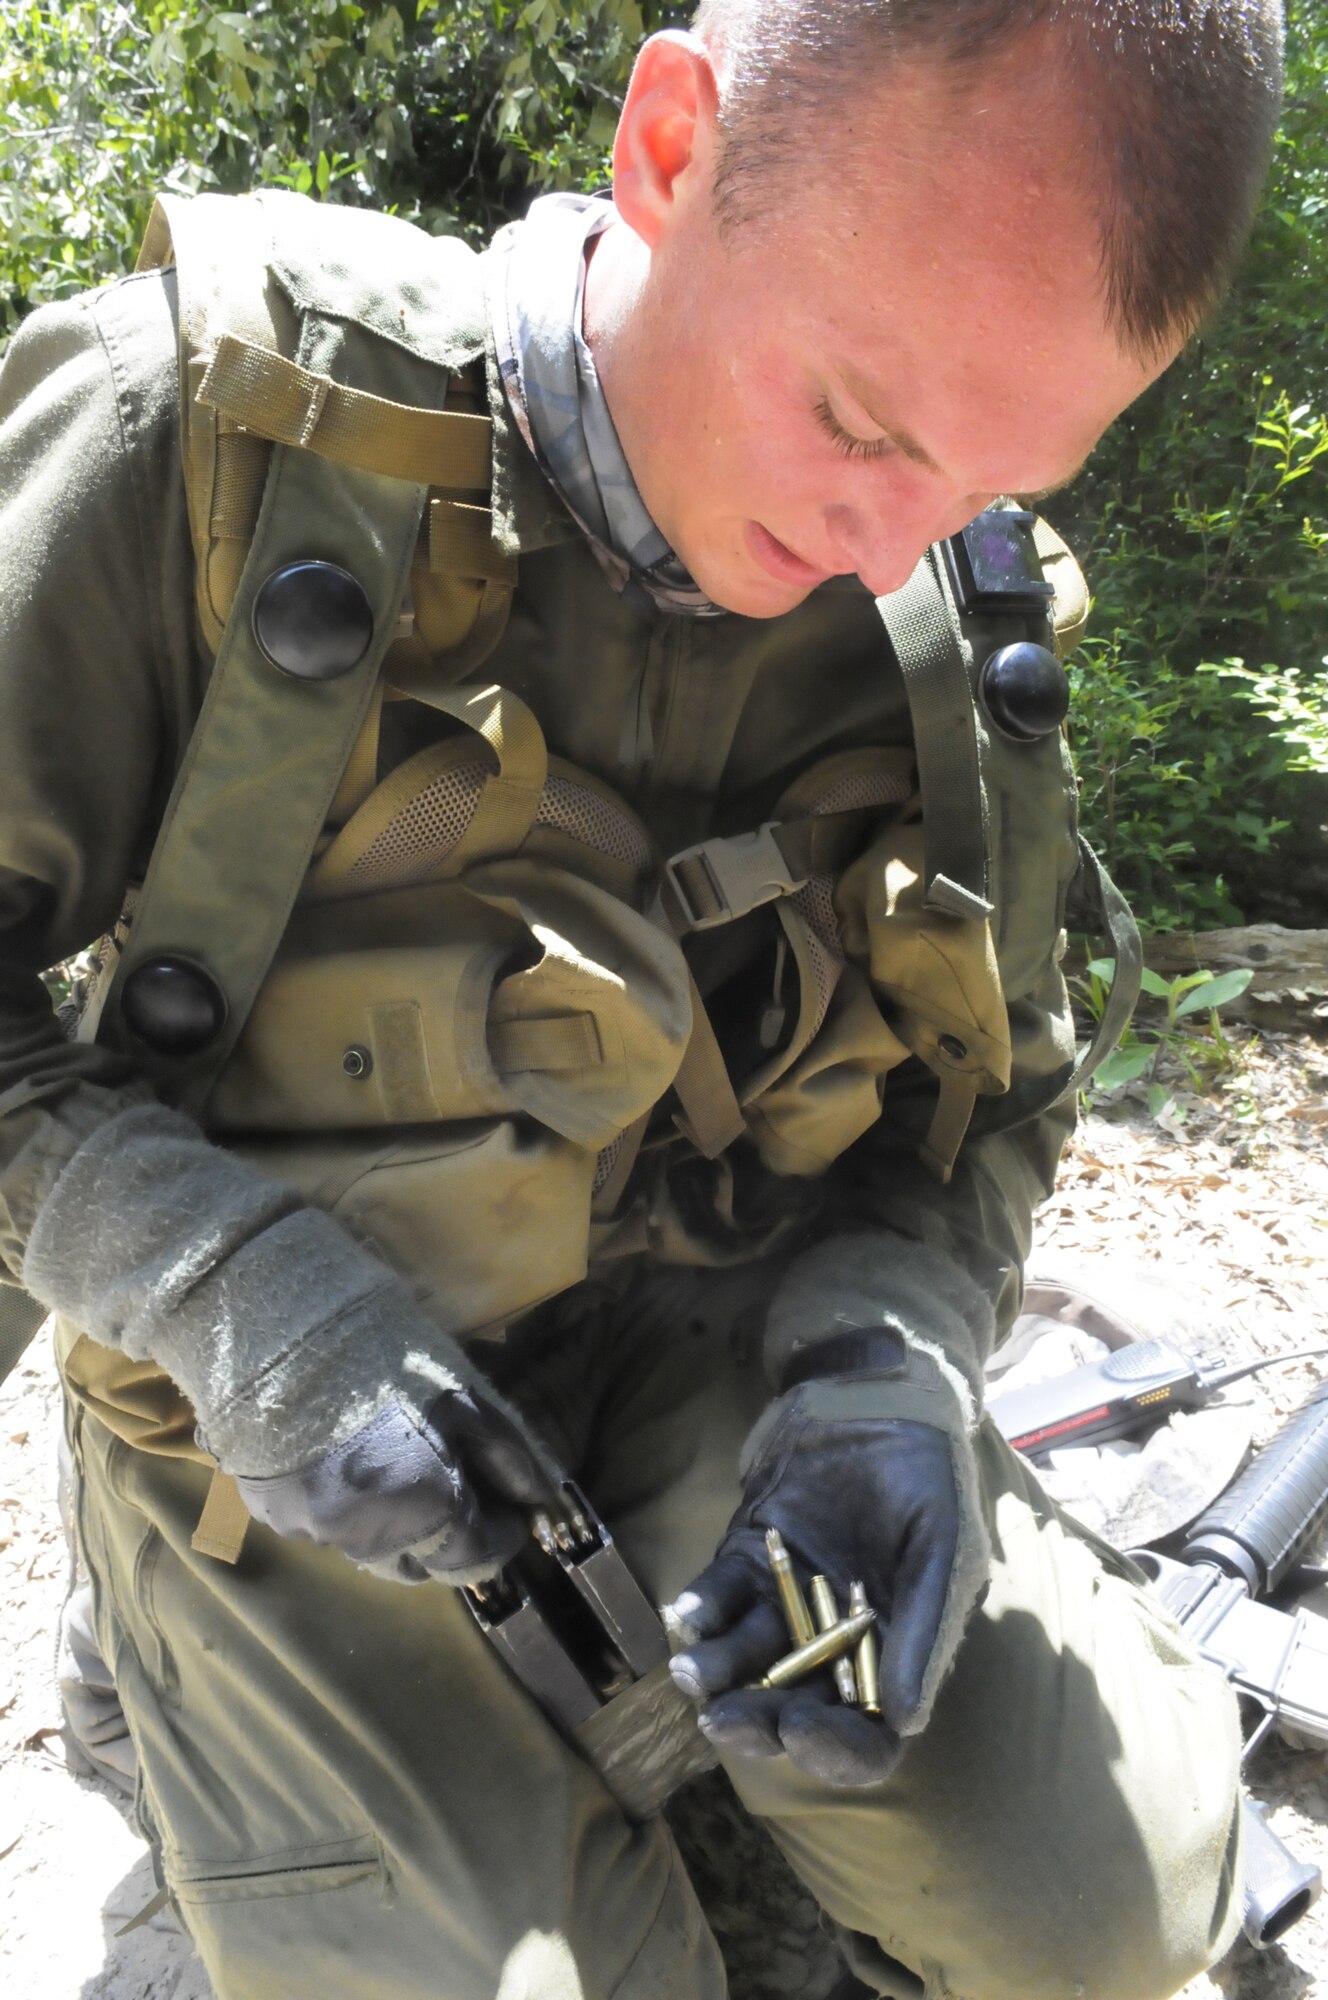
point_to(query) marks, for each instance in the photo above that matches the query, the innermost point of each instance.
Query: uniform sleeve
(114, 1210)
(943, 1262)
(100, 676)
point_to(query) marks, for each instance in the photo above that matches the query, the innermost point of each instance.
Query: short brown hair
(1180, 100)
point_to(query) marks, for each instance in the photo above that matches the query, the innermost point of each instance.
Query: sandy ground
(1233, 1203)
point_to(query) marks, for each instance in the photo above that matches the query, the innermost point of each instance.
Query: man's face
(915, 330)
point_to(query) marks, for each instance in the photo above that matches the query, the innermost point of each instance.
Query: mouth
(780, 562)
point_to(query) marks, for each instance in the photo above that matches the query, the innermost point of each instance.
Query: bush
(1201, 702)
(447, 114)
(1201, 716)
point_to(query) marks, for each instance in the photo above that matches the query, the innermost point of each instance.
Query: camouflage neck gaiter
(536, 294)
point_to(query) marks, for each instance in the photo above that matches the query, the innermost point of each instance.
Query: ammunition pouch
(452, 1045)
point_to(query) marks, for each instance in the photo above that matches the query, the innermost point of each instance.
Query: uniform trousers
(351, 1798)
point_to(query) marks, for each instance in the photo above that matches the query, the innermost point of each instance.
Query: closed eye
(845, 441)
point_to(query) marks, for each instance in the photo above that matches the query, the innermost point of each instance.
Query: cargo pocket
(298, 1920)
(289, 1871)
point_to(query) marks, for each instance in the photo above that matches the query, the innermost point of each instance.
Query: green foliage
(1199, 1050)
(446, 114)
(1201, 704)
(1297, 707)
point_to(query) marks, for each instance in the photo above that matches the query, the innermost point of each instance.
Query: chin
(741, 588)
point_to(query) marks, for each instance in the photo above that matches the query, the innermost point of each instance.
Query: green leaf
(1153, 983)
(1215, 992)
(1122, 1066)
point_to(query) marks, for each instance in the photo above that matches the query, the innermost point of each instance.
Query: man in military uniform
(710, 1185)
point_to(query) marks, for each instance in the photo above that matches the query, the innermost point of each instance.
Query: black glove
(868, 1475)
(447, 1496)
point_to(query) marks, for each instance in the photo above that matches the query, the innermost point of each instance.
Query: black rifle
(1248, 1543)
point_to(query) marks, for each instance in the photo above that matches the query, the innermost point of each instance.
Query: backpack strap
(322, 337)
(1037, 582)
(936, 663)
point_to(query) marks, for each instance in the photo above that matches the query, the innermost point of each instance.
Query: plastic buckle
(734, 874)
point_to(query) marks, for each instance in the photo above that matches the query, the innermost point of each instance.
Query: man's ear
(666, 135)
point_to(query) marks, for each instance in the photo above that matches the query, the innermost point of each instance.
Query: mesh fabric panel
(814, 903)
(857, 789)
(428, 827)
(424, 832)
(595, 821)
(825, 971)
(605, 1164)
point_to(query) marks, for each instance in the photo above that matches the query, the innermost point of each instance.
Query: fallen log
(1289, 989)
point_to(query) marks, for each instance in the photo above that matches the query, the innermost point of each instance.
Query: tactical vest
(454, 1004)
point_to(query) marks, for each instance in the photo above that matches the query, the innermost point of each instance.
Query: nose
(884, 544)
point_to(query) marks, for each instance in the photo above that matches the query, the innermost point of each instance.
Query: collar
(527, 512)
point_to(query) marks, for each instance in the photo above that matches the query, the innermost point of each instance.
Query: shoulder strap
(935, 661)
(251, 270)
(926, 631)
(287, 334)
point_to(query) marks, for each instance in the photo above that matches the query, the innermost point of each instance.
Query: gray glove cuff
(887, 1281)
(925, 1389)
(286, 1335)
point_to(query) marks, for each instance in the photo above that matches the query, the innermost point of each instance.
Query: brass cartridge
(796, 1615)
(865, 1659)
(818, 1652)
(827, 1614)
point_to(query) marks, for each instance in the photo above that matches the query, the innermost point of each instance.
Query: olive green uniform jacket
(699, 723)
(1066, 1823)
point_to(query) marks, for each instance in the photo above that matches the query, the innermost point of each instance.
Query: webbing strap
(932, 656)
(950, 1123)
(224, 1521)
(20, 1320)
(147, 1913)
(278, 399)
(1116, 918)
(1099, 906)
(461, 543)
(711, 1114)
(506, 807)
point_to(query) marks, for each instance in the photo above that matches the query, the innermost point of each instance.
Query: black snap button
(950, 1045)
(313, 620)
(173, 1006)
(1025, 691)
(357, 1061)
